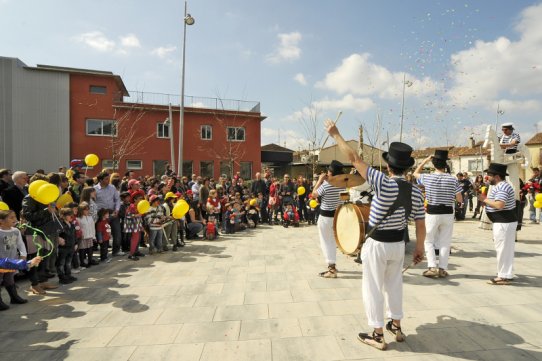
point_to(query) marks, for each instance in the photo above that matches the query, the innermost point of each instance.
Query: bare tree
(373, 136)
(313, 130)
(126, 140)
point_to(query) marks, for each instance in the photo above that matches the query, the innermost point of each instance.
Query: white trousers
(382, 280)
(504, 237)
(327, 239)
(439, 234)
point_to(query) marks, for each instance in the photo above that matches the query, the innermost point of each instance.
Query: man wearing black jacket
(14, 194)
(259, 186)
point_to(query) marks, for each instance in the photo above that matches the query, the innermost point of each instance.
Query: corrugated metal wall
(40, 119)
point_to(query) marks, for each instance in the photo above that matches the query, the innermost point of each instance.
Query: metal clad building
(34, 117)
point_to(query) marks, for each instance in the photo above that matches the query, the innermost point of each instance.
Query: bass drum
(349, 224)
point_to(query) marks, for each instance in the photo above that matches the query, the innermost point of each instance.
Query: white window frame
(207, 127)
(477, 162)
(128, 167)
(102, 127)
(164, 127)
(236, 134)
(108, 163)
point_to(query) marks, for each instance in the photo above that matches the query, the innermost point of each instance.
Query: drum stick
(410, 265)
(334, 123)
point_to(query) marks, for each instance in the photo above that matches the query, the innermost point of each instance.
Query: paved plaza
(256, 296)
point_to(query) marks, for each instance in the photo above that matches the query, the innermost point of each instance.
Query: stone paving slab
(256, 296)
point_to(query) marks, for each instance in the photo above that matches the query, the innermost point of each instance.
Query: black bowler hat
(497, 168)
(336, 167)
(441, 154)
(399, 155)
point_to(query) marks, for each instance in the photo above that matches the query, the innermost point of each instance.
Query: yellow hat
(170, 195)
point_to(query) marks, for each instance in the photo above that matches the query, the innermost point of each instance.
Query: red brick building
(129, 132)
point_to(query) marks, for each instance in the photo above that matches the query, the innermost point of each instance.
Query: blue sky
(462, 57)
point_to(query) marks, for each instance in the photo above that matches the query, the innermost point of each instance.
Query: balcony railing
(137, 97)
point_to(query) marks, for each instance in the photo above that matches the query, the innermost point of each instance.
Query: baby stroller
(291, 216)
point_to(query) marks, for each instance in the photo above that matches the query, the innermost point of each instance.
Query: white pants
(327, 239)
(382, 280)
(439, 234)
(504, 237)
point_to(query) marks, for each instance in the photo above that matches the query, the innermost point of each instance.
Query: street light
(188, 20)
(406, 83)
(169, 124)
(499, 112)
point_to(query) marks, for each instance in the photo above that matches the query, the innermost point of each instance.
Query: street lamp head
(189, 20)
(166, 122)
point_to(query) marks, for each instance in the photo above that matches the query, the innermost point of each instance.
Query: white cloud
(358, 75)
(288, 49)
(348, 102)
(288, 138)
(300, 78)
(502, 69)
(163, 51)
(130, 41)
(96, 40)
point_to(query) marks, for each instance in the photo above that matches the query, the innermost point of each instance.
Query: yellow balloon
(4, 206)
(143, 206)
(537, 204)
(483, 189)
(34, 186)
(253, 202)
(180, 209)
(301, 190)
(63, 200)
(538, 197)
(91, 160)
(313, 203)
(47, 193)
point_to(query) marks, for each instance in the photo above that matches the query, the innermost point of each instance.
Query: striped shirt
(507, 139)
(386, 192)
(330, 196)
(502, 192)
(440, 188)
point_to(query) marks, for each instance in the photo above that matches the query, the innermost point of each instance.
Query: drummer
(330, 202)
(384, 250)
(442, 190)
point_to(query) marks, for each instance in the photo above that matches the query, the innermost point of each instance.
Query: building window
(206, 132)
(99, 127)
(188, 168)
(225, 168)
(236, 134)
(98, 89)
(134, 164)
(246, 170)
(475, 165)
(162, 130)
(206, 168)
(109, 164)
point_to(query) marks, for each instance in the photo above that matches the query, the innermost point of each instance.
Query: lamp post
(499, 112)
(169, 124)
(188, 20)
(406, 83)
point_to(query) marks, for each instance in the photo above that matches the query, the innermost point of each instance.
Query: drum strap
(404, 199)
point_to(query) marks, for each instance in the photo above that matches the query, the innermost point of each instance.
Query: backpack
(210, 231)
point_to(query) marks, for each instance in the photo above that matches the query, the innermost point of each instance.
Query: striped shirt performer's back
(330, 196)
(440, 188)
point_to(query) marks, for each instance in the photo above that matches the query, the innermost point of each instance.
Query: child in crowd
(229, 219)
(154, 219)
(88, 195)
(76, 263)
(213, 206)
(88, 229)
(133, 225)
(103, 232)
(66, 246)
(11, 242)
(125, 203)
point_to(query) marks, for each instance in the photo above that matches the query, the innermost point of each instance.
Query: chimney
(472, 142)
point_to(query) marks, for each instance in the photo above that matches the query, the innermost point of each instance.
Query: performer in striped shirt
(330, 202)
(509, 140)
(442, 190)
(501, 210)
(383, 252)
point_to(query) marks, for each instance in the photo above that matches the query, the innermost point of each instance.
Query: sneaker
(119, 254)
(37, 290)
(133, 258)
(431, 272)
(376, 340)
(76, 270)
(396, 331)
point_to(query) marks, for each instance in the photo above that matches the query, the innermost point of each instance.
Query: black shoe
(15, 298)
(133, 258)
(165, 248)
(50, 275)
(139, 254)
(71, 278)
(65, 281)
(94, 262)
(174, 249)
